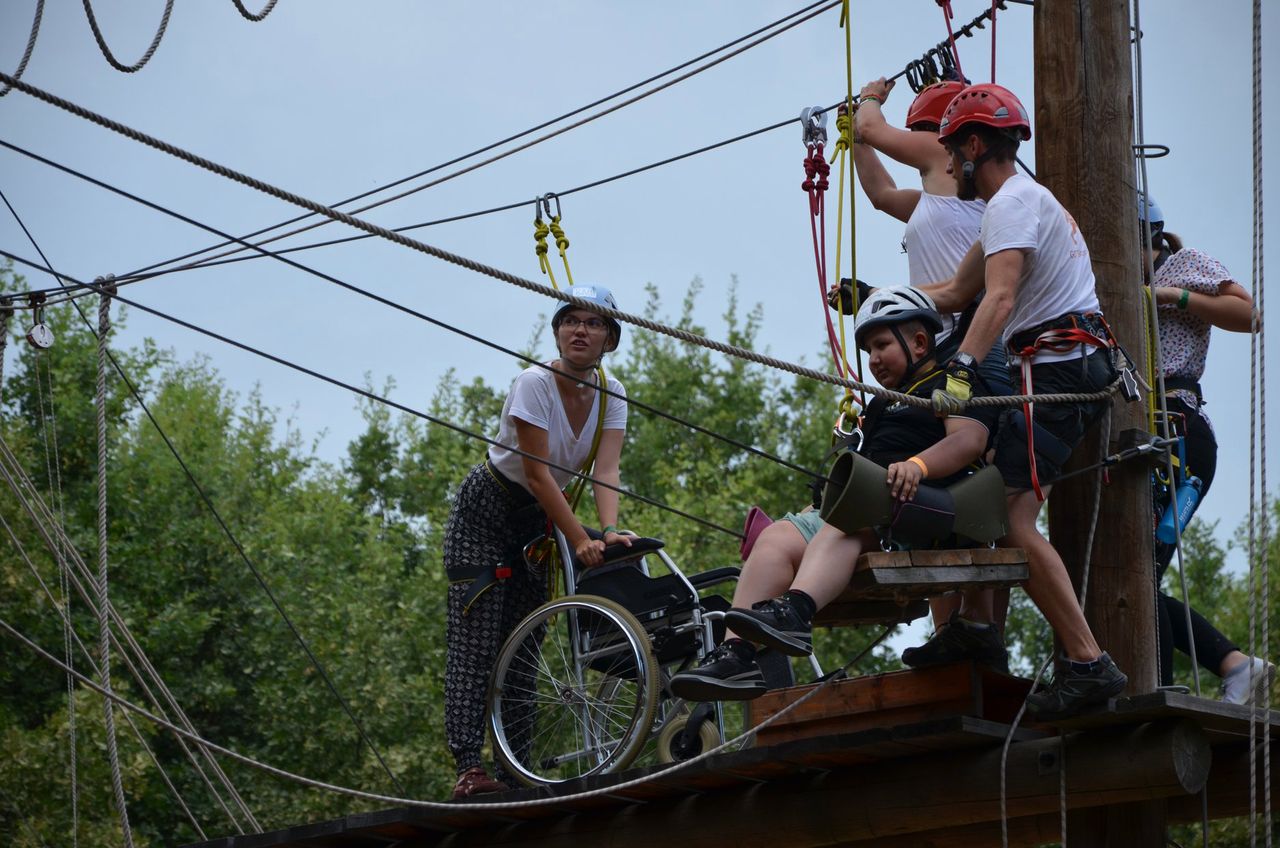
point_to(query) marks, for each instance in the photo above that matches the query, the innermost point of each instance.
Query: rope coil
(106, 51)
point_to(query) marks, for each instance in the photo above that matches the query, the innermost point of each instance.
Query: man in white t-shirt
(1040, 299)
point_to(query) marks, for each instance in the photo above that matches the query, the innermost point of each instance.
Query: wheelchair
(580, 686)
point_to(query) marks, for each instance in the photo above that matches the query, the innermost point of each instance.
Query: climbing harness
(543, 229)
(1061, 335)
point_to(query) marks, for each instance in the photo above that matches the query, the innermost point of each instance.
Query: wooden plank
(884, 559)
(886, 700)
(921, 582)
(860, 612)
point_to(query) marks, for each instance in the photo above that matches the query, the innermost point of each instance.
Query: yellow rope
(1152, 383)
(844, 149)
(540, 233)
(563, 244)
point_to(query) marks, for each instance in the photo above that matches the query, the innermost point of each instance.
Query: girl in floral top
(1194, 293)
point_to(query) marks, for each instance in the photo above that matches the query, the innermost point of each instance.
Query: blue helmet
(1148, 210)
(595, 294)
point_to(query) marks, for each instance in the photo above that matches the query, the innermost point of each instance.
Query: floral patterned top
(1184, 338)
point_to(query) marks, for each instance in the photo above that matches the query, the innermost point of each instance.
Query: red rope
(947, 15)
(816, 171)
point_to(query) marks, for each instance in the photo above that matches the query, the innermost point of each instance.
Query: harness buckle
(813, 125)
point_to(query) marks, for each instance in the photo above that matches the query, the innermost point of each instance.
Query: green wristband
(609, 528)
(1184, 298)
(870, 98)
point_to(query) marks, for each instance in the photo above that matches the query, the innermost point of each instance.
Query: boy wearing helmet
(775, 607)
(1034, 267)
(551, 415)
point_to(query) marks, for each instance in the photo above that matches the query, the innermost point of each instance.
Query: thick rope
(742, 739)
(521, 282)
(104, 628)
(1259, 498)
(31, 46)
(55, 538)
(514, 137)
(226, 530)
(84, 649)
(53, 477)
(250, 16)
(146, 57)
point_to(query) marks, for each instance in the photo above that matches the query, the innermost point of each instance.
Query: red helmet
(930, 103)
(988, 104)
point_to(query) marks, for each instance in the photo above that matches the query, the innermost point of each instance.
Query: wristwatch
(964, 360)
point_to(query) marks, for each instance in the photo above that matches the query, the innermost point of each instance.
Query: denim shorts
(1065, 422)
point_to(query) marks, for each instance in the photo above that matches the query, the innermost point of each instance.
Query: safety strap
(1056, 340)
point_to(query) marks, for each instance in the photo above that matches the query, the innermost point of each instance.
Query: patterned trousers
(486, 526)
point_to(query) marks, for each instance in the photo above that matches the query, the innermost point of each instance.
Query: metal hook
(1160, 150)
(813, 121)
(546, 204)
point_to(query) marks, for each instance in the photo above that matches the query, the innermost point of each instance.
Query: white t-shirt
(534, 399)
(939, 233)
(1057, 274)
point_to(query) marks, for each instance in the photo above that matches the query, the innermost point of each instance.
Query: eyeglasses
(594, 324)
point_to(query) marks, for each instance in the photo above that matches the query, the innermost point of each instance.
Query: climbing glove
(951, 399)
(841, 297)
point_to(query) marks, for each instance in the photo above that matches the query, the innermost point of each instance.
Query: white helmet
(892, 306)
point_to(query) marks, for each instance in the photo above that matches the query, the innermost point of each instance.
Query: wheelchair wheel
(669, 748)
(574, 691)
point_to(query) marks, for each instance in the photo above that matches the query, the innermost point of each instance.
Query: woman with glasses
(555, 421)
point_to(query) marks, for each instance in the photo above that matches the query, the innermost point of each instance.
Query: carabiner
(546, 204)
(813, 125)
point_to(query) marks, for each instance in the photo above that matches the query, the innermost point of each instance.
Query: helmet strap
(913, 365)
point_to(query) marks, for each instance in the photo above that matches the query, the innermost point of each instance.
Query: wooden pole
(1084, 131)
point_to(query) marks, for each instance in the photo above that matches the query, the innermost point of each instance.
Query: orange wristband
(924, 469)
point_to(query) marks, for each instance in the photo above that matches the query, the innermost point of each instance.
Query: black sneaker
(959, 640)
(723, 675)
(1071, 690)
(775, 624)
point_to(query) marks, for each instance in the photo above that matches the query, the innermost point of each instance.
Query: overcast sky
(328, 99)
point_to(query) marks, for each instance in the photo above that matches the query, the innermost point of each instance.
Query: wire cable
(521, 282)
(400, 307)
(217, 516)
(369, 395)
(784, 24)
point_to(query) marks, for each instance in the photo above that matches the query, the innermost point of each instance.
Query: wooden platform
(884, 700)
(908, 783)
(891, 587)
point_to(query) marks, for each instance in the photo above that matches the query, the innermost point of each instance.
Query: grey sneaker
(775, 624)
(1248, 682)
(1071, 691)
(723, 675)
(959, 640)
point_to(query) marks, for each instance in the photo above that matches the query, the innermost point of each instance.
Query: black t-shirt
(894, 431)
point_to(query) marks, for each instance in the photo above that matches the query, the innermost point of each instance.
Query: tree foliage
(349, 552)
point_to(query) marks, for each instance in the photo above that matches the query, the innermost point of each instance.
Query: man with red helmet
(941, 228)
(1033, 267)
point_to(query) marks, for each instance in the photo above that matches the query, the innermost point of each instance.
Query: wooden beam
(913, 795)
(1084, 131)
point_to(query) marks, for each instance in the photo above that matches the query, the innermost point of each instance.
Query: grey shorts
(807, 523)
